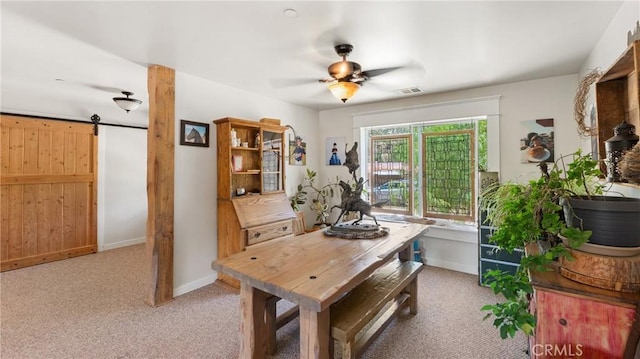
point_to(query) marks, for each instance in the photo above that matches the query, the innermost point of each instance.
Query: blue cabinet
(490, 256)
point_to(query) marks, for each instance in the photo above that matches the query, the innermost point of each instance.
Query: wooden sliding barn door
(49, 195)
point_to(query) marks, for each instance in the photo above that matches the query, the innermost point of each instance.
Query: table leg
(315, 338)
(407, 253)
(271, 324)
(253, 308)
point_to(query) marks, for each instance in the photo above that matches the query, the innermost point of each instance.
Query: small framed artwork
(236, 163)
(537, 141)
(335, 149)
(297, 151)
(194, 133)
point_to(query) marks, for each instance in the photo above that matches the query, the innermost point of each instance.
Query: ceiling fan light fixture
(127, 103)
(343, 90)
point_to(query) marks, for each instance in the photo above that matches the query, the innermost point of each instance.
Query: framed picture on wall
(297, 151)
(194, 133)
(334, 150)
(537, 142)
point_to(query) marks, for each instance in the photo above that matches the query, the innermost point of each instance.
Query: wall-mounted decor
(335, 149)
(297, 151)
(580, 104)
(537, 143)
(194, 133)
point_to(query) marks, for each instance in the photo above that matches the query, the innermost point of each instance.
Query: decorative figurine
(351, 201)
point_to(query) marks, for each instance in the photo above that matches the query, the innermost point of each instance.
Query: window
(390, 174)
(441, 184)
(448, 174)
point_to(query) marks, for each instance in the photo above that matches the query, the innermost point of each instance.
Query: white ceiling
(100, 47)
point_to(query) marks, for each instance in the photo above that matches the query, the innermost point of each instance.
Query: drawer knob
(284, 228)
(562, 321)
(257, 234)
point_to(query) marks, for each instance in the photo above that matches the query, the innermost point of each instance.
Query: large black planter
(614, 221)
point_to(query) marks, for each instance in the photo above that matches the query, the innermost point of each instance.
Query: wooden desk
(313, 271)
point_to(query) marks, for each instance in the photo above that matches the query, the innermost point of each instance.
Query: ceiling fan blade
(105, 88)
(378, 72)
(283, 83)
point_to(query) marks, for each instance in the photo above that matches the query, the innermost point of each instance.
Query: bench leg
(413, 296)
(347, 350)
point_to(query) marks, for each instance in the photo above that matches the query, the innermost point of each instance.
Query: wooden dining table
(313, 271)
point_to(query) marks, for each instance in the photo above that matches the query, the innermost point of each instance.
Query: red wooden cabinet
(572, 326)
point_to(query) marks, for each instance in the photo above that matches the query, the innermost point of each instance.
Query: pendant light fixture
(343, 90)
(127, 103)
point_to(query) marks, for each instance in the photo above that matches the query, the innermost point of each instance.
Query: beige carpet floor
(92, 307)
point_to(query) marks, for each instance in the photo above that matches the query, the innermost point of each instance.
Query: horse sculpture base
(349, 230)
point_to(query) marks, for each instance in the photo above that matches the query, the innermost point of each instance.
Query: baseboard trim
(453, 234)
(126, 243)
(452, 266)
(186, 288)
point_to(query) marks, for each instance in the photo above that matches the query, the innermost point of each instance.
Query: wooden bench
(362, 314)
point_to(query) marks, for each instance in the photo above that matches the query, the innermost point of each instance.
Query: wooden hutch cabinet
(252, 204)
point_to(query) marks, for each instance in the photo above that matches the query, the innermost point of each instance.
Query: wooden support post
(160, 168)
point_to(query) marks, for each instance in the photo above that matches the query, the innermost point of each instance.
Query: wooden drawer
(489, 264)
(488, 251)
(485, 234)
(268, 231)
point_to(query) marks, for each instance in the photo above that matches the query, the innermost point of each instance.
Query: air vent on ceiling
(408, 91)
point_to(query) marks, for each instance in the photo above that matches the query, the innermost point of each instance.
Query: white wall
(122, 187)
(195, 225)
(613, 41)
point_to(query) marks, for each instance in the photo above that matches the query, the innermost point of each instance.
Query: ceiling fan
(347, 76)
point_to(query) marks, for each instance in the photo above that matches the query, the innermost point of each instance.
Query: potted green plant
(612, 220)
(539, 213)
(320, 197)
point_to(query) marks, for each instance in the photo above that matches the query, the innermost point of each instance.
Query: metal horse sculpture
(351, 202)
(351, 159)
